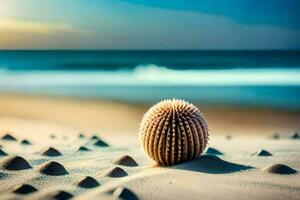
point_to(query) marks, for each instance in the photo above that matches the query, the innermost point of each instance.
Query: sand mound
(211, 164)
(124, 193)
(116, 172)
(295, 135)
(213, 151)
(126, 161)
(2, 153)
(8, 137)
(60, 195)
(50, 151)
(83, 148)
(101, 143)
(24, 189)
(279, 169)
(261, 152)
(53, 168)
(228, 137)
(88, 182)
(275, 136)
(95, 137)
(25, 142)
(15, 163)
(52, 136)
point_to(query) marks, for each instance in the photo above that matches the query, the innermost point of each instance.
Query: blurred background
(99, 65)
(240, 92)
(248, 78)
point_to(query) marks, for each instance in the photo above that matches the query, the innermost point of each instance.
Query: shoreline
(95, 115)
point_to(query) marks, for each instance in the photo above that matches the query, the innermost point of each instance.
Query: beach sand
(60, 147)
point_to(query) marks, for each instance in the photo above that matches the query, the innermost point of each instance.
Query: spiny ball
(173, 131)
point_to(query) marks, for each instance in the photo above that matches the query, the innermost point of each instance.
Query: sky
(150, 24)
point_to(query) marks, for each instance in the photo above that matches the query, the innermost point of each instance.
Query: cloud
(156, 29)
(10, 25)
(171, 29)
(279, 12)
(16, 34)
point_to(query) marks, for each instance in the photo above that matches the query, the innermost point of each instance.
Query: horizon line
(150, 50)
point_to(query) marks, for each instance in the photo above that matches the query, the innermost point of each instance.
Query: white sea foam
(153, 75)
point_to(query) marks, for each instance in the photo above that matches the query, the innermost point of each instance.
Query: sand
(89, 149)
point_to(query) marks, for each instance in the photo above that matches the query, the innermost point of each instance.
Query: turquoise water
(259, 78)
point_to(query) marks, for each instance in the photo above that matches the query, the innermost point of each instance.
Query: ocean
(244, 78)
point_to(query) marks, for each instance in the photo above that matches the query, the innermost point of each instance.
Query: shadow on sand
(211, 164)
(2, 175)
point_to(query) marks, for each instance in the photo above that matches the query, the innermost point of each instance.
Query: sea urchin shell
(173, 131)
